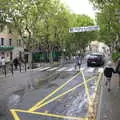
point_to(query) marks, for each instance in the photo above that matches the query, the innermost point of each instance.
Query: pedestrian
(16, 63)
(108, 71)
(0, 61)
(3, 64)
(3, 61)
(118, 70)
(77, 62)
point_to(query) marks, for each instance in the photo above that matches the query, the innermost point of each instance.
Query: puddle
(52, 85)
(47, 81)
(13, 100)
(64, 75)
(79, 106)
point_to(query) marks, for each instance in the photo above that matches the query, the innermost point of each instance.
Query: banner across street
(84, 29)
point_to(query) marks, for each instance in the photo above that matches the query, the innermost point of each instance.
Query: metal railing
(9, 68)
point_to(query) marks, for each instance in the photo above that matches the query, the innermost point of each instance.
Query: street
(66, 96)
(59, 59)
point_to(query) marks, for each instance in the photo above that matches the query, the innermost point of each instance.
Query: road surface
(65, 97)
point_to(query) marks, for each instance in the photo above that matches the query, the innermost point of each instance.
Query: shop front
(6, 52)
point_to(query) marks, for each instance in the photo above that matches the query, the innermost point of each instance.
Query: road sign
(84, 29)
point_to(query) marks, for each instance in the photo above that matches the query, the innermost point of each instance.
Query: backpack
(106, 71)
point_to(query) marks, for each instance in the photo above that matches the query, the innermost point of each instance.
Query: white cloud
(81, 7)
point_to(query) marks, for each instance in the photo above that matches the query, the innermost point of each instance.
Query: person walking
(77, 62)
(16, 63)
(118, 70)
(3, 65)
(3, 61)
(108, 71)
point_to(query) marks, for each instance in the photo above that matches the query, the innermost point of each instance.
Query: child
(108, 71)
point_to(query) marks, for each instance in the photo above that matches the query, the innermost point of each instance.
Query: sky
(81, 7)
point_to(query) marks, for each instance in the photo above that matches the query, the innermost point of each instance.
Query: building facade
(10, 44)
(96, 46)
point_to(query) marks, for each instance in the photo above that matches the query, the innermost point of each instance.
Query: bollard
(25, 67)
(20, 66)
(4, 67)
(12, 68)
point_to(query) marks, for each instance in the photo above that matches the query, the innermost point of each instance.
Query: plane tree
(108, 18)
(45, 24)
(79, 41)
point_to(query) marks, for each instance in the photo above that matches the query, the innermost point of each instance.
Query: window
(2, 41)
(10, 42)
(19, 43)
(2, 53)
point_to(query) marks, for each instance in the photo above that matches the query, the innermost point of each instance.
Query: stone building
(10, 44)
(96, 46)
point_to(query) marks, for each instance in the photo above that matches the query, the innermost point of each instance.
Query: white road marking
(53, 69)
(73, 69)
(90, 70)
(44, 69)
(61, 69)
(100, 70)
(36, 69)
(82, 68)
(70, 69)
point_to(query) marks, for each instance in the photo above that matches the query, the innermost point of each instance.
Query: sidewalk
(10, 84)
(36, 65)
(18, 84)
(109, 107)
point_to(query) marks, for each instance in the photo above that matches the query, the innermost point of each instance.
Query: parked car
(95, 59)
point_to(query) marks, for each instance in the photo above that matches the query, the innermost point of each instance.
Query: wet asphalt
(73, 104)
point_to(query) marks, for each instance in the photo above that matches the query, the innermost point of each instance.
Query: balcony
(6, 48)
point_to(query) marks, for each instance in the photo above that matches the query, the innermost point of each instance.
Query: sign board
(84, 29)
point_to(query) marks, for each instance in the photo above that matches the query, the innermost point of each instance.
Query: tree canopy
(79, 41)
(108, 18)
(45, 24)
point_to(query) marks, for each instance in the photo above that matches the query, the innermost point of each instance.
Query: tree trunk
(51, 56)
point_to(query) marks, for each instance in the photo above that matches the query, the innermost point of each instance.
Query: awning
(6, 48)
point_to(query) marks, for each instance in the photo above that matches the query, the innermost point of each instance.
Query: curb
(50, 77)
(100, 101)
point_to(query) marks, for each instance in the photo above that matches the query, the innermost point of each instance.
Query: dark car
(95, 59)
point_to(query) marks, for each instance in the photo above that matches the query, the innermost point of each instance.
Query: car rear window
(94, 56)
